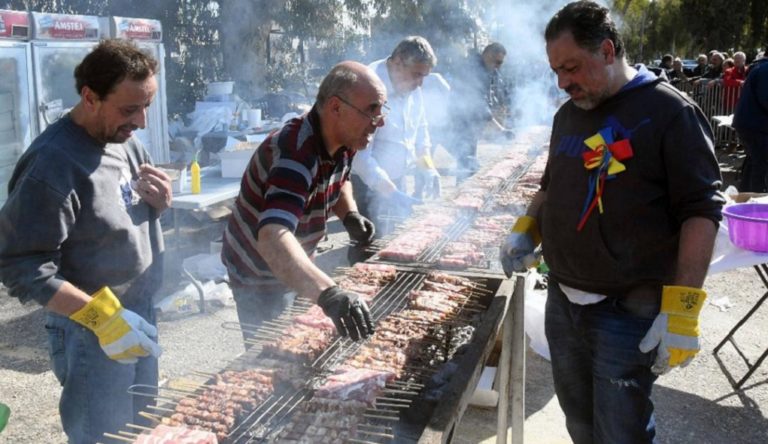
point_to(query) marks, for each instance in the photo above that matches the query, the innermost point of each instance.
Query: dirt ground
(694, 405)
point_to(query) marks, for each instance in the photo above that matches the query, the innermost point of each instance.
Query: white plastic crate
(234, 163)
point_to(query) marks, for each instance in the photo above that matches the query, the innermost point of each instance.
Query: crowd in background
(722, 86)
(717, 72)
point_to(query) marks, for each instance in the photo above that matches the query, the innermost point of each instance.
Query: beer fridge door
(54, 64)
(17, 119)
(155, 136)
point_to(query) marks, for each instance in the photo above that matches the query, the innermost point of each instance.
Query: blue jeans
(602, 380)
(94, 397)
(377, 208)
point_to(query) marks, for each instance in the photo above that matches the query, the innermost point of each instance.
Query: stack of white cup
(254, 118)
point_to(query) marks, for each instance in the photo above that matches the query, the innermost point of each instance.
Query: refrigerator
(148, 35)
(18, 122)
(61, 41)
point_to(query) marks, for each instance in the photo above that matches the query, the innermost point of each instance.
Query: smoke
(519, 26)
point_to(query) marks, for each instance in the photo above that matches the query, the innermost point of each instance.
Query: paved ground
(695, 405)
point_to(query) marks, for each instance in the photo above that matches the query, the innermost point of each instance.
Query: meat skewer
(119, 437)
(152, 417)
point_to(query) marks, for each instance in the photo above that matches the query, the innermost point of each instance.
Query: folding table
(762, 271)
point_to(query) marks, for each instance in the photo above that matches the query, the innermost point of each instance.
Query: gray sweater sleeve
(34, 222)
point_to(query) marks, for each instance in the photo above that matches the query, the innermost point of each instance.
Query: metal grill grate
(264, 422)
(380, 425)
(429, 257)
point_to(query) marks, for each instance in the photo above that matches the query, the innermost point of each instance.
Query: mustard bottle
(194, 171)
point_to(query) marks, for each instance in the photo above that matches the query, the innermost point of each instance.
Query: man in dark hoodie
(629, 207)
(480, 90)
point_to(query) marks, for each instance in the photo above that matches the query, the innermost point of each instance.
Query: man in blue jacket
(750, 119)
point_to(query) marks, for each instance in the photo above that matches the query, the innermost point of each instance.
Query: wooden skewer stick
(397, 406)
(186, 391)
(128, 434)
(359, 441)
(420, 369)
(176, 392)
(384, 429)
(403, 401)
(386, 418)
(161, 409)
(384, 435)
(270, 330)
(403, 392)
(378, 411)
(259, 340)
(407, 384)
(118, 437)
(164, 400)
(203, 374)
(277, 324)
(295, 311)
(266, 333)
(138, 427)
(151, 417)
(470, 309)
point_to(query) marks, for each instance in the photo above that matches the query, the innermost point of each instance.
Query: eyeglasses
(375, 120)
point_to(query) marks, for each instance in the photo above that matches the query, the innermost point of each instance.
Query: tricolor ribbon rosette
(604, 159)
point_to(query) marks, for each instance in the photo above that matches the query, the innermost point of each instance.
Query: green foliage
(271, 45)
(689, 27)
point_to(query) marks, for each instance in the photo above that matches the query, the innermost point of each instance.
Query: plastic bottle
(194, 171)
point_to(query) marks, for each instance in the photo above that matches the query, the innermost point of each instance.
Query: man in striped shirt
(296, 178)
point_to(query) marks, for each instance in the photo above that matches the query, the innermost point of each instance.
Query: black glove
(348, 312)
(403, 201)
(359, 227)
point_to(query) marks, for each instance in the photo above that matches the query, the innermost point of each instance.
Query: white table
(214, 189)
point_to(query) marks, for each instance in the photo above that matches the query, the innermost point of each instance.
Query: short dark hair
(495, 48)
(415, 49)
(589, 23)
(111, 62)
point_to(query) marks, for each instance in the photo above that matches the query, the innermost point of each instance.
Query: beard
(122, 134)
(588, 101)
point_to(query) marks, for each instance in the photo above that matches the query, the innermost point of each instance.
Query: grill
(402, 413)
(428, 258)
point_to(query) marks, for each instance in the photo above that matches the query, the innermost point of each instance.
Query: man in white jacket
(403, 143)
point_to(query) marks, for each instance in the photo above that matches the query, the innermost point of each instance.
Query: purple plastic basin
(748, 225)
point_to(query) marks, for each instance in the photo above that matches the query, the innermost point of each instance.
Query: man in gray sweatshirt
(80, 234)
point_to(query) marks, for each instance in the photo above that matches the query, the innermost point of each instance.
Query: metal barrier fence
(715, 100)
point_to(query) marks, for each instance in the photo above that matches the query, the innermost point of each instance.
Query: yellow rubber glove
(123, 335)
(517, 250)
(430, 178)
(675, 331)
